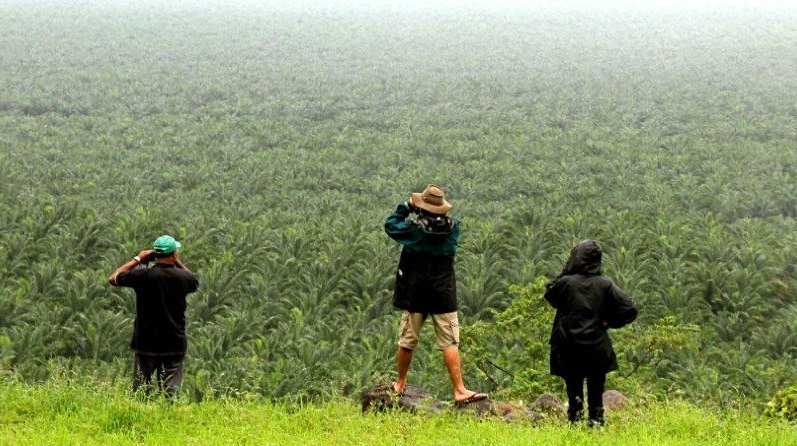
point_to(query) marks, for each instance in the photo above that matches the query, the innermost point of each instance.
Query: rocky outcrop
(416, 400)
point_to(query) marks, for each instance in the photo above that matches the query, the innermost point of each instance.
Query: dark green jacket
(416, 237)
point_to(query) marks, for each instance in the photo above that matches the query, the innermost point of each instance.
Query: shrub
(784, 404)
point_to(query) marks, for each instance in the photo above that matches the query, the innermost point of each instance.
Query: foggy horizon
(490, 5)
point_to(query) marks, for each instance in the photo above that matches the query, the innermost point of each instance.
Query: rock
(382, 398)
(379, 399)
(547, 405)
(504, 409)
(416, 400)
(614, 400)
(479, 408)
(490, 408)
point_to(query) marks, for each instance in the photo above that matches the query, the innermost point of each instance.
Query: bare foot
(469, 397)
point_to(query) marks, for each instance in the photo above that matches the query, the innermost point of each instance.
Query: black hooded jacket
(587, 304)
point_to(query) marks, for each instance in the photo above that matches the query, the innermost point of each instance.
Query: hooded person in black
(587, 305)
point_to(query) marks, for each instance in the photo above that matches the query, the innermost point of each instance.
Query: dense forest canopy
(274, 140)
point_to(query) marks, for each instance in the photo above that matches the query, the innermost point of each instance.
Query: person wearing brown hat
(426, 284)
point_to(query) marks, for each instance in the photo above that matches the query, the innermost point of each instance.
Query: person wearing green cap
(159, 342)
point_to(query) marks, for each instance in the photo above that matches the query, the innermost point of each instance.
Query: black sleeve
(191, 284)
(129, 278)
(189, 280)
(622, 308)
(553, 292)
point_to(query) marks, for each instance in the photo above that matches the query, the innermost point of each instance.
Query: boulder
(414, 399)
(491, 408)
(614, 400)
(547, 406)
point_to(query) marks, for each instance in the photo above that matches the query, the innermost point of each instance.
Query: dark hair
(160, 255)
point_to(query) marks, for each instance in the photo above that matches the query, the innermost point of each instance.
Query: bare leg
(403, 360)
(451, 359)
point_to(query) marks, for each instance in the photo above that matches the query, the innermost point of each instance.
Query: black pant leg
(170, 374)
(596, 385)
(575, 397)
(143, 368)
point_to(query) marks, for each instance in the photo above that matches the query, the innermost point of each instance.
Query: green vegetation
(273, 141)
(784, 404)
(59, 413)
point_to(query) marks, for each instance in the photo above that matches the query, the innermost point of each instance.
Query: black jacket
(587, 304)
(425, 284)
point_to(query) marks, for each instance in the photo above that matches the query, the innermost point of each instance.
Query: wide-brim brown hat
(432, 199)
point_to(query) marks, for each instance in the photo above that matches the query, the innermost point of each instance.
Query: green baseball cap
(166, 244)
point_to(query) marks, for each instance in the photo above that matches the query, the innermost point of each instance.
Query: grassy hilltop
(72, 415)
(273, 141)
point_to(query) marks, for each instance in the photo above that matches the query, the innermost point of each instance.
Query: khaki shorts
(446, 329)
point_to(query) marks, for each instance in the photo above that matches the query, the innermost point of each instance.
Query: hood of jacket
(585, 258)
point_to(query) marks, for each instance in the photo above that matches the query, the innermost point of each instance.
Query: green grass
(75, 414)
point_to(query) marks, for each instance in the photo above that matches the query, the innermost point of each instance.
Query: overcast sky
(608, 3)
(567, 4)
(397, 5)
(513, 4)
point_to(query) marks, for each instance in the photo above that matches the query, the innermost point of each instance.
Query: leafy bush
(783, 404)
(510, 348)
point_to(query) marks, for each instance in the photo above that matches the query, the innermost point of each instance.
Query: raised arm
(142, 257)
(399, 228)
(181, 265)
